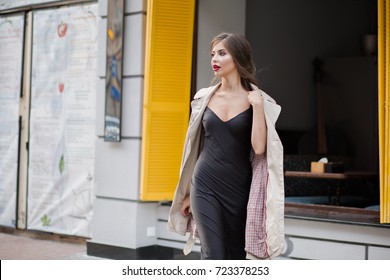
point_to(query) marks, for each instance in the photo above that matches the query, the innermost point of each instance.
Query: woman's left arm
(259, 127)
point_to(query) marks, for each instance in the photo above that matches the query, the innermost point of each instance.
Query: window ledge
(333, 214)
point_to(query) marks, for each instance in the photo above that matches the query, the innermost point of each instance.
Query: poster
(113, 109)
(11, 59)
(62, 120)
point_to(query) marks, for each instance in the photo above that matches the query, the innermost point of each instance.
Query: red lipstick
(216, 67)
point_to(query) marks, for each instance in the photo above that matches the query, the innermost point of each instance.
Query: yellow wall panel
(168, 66)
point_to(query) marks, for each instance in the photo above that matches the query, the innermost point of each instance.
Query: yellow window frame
(383, 107)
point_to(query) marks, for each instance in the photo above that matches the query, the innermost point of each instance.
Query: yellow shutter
(383, 109)
(168, 64)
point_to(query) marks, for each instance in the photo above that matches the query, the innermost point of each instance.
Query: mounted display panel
(114, 62)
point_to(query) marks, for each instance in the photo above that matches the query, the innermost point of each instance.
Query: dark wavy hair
(241, 51)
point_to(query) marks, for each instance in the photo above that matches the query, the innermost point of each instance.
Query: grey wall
(286, 37)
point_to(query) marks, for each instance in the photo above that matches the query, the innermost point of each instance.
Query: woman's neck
(231, 84)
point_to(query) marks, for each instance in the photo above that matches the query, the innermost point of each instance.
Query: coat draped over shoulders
(264, 232)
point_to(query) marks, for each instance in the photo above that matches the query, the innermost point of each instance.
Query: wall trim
(124, 137)
(336, 241)
(125, 199)
(154, 252)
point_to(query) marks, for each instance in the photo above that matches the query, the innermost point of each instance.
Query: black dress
(220, 185)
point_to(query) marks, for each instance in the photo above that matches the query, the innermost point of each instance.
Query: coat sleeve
(265, 211)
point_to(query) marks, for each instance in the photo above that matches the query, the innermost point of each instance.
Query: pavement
(32, 245)
(27, 245)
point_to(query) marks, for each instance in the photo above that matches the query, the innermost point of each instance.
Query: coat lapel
(198, 105)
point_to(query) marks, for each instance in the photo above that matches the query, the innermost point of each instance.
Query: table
(340, 177)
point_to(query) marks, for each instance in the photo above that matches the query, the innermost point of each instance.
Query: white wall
(120, 218)
(310, 239)
(215, 16)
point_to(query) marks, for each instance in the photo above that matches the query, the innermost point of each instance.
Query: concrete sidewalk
(26, 245)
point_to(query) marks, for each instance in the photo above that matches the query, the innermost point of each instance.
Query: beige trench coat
(270, 243)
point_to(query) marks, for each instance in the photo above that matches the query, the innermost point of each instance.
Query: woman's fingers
(255, 97)
(186, 209)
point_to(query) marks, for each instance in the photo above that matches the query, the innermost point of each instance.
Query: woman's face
(222, 61)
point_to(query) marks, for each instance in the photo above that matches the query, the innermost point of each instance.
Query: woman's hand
(259, 126)
(186, 209)
(255, 98)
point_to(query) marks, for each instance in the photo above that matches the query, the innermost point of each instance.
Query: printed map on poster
(11, 53)
(62, 120)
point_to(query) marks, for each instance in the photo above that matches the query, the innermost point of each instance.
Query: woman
(228, 188)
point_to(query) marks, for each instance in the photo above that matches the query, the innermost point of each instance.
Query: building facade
(165, 61)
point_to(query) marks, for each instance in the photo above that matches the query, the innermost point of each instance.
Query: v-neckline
(230, 118)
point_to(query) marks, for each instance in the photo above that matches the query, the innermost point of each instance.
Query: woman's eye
(222, 53)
